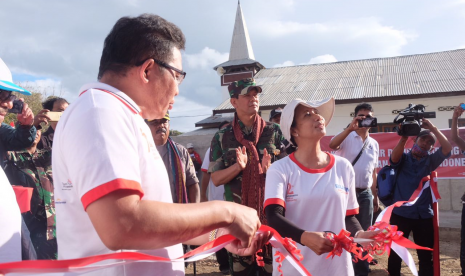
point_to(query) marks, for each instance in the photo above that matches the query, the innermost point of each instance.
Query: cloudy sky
(56, 44)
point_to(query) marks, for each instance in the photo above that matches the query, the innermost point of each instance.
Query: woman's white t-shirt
(315, 200)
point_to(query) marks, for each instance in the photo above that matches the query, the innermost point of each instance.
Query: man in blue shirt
(417, 218)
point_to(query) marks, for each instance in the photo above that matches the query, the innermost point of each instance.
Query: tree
(174, 132)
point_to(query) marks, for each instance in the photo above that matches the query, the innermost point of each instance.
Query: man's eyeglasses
(178, 77)
(6, 96)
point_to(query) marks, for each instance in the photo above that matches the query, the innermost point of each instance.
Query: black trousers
(462, 243)
(222, 258)
(423, 235)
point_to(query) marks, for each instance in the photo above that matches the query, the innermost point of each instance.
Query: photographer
(11, 139)
(351, 143)
(417, 218)
(458, 111)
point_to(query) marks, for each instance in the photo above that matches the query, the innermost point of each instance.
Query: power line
(190, 116)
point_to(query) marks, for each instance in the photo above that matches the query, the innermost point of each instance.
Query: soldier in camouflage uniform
(230, 159)
(33, 168)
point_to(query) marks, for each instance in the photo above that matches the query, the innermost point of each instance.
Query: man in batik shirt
(33, 168)
(240, 155)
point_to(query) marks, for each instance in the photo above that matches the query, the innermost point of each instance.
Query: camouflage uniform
(35, 171)
(223, 153)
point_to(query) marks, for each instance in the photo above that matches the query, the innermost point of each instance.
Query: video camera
(410, 123)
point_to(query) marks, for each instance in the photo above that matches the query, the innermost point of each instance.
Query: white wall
(383, 111)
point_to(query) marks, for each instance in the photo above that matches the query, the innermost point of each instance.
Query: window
(383, 127)
(461, 122)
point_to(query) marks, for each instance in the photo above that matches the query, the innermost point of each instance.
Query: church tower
(241, 63)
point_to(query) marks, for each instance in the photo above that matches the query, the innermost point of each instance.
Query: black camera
(17, 107)
(368, 122)
(410, 123)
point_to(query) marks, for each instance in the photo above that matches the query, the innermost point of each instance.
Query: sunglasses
(6, 96)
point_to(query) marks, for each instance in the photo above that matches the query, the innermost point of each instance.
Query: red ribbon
(259, 258)
(290, 246)
(279, 259)
(386, 236)
(343, 241)
(44, 266)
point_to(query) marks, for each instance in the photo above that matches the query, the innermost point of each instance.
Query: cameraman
(458, 111)
(349, 144)
(418, 218)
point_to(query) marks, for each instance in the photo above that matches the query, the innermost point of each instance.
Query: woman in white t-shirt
(310, 191)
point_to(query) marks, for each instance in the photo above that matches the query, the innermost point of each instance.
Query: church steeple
(241, 63)
(241, 48)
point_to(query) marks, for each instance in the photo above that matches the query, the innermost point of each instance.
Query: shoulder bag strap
(360, 153)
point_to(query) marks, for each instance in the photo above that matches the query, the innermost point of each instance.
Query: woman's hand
(369, 235)
(317, 242)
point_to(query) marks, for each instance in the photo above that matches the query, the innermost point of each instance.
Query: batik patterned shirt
(35, 171)
(223, 153)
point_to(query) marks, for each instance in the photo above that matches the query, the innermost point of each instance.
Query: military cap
(243, 87)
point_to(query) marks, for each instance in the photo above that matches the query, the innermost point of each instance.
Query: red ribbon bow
(343, 241)
(383, 240)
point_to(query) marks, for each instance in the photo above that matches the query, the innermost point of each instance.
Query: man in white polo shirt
(355, 142)
(112, 191)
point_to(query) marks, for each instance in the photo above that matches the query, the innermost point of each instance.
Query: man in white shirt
(349, 143)
(112, 191)
(210, 192)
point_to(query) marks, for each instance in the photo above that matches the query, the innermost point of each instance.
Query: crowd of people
(119, 182)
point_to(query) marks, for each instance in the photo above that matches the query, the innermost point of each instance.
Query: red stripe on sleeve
(271, 201)
(106, 188)
(204, 170)
(352, 212)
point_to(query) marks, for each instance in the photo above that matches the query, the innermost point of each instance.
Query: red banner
(452, 167)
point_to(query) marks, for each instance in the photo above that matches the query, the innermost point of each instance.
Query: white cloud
(186, 113)
(318, 59)
(322, 59)
(206, 59)
(369, 31)
(278, 29)
(47, 87)
(284, 64)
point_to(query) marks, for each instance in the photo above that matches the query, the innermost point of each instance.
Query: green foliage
(174, 132)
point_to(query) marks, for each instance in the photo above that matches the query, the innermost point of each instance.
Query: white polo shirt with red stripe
(101, 145)
(315, 200)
